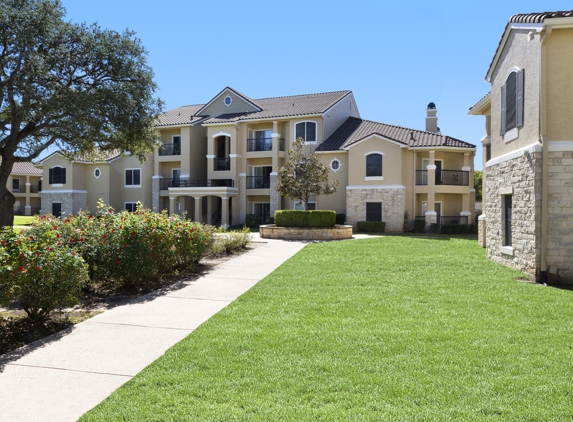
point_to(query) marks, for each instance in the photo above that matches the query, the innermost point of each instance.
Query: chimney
(431, 118)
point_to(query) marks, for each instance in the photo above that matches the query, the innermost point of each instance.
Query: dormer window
(227, 100)
(306, 131)
(512, 104)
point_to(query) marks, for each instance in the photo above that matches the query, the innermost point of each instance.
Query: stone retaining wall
(271, 231)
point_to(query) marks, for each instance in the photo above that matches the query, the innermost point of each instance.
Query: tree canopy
(72, 86)
(478, 177)
(302, 175)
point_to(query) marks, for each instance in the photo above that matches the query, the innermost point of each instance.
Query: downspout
(544, 157)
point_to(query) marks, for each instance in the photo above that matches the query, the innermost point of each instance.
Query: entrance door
(263, 211)
(57, 209)
(438, 164)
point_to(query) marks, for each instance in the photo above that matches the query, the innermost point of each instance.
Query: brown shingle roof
(25, 168)
(354, 130)
(296, 105)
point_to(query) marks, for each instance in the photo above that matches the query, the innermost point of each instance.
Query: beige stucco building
(218, 163)
(25, 184)
(528, 147)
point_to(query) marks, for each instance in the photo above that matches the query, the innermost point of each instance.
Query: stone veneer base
(271, 231)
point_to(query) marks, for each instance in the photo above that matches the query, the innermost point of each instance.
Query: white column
(225, 212)
(198, 208)
(171, 205)
(209, 209)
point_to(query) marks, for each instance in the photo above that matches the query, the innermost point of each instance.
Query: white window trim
(57, 185)
(339, 164)
(375, 177)
(225, 100)
(125, 175)
(125, 206)
(95, 170)
(511, 134)
(315, 135)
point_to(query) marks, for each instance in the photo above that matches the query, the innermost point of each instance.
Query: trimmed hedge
(340, 219)
(419, 225)
(294, 218)
(371, 226)
(253, 220)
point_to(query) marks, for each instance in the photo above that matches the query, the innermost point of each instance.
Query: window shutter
(502, 126)
(51, 176)
(519, 99)
(64, 175)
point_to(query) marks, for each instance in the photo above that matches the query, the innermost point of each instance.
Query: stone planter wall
(271, 231)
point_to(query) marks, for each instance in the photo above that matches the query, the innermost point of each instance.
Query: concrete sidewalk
(63, 376)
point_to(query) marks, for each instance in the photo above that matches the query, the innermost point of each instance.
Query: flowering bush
(130, 248)
(40, 272)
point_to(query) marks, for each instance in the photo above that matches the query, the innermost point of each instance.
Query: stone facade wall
(523, 174)
(560, 215)
(305, 233)
(393, 206)
(155, 193)
(72, 202)
(275, 199)
(482, 231)
(242, 198)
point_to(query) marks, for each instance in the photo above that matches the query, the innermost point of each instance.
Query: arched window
(57, 175)
(306, 131)
(512, 102)
(374, 164)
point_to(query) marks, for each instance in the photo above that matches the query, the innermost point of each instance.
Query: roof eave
(478, 108)
(263, 119)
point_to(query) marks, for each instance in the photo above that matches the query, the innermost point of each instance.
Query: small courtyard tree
(76, 87)
(303, 175)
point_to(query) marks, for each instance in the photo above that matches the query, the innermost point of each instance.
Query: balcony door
(438, 164)
(176, 177)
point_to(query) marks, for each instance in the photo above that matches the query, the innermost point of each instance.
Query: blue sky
(396, 56)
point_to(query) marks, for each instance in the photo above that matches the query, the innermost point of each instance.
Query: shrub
(371, 226)
(295, 218)
(340, 219)
(434, 228)
(459, 229)
(130, 249)
(419, 225)
(253, 220)
(46, 274)
(230, 241)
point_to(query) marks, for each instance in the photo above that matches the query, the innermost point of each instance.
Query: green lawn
(20, 220)
(391, 328)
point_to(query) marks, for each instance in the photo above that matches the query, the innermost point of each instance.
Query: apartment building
(218, 164)
(25, 184)
(528, 147)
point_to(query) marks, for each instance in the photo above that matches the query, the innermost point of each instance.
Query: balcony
(35, 189)
(169, 149)
(258, 182)
(444, 177)
(185, 183)
(222, 164)
(263, 144)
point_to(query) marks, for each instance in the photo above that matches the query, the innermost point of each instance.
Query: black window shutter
(502, 126)
(63, 175)
(519, 99)
(51, 176)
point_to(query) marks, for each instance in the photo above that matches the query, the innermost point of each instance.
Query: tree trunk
(7, 200)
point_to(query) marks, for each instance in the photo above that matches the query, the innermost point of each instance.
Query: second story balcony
(444, 177)
(169, 149)
(263, 144)
(35, 188)
(258, 182)
(221, 164)
(186, 183)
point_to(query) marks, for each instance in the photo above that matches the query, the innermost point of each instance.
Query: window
(512, 103)
(227, 100)
(15, 185)
(335, 165)
(374, 165)
(306, 131)
(97, 173)
(133, 178)
(373, 211)
(131, 206)
(57, 175)
(507, 211)
(311, 206)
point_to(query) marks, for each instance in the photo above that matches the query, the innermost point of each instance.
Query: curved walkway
(63, 376)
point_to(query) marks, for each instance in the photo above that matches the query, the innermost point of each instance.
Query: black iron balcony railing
(18, 189)
(170, 149)
(455, 219)
(185, 183)
(222, 164)
(263, 144)
(258, 182)
(34, 189)
(445, 177)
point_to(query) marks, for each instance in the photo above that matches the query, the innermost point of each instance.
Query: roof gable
(239, 103)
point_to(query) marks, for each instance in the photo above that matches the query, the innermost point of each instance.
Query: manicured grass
(20, 220)
(390, 328)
